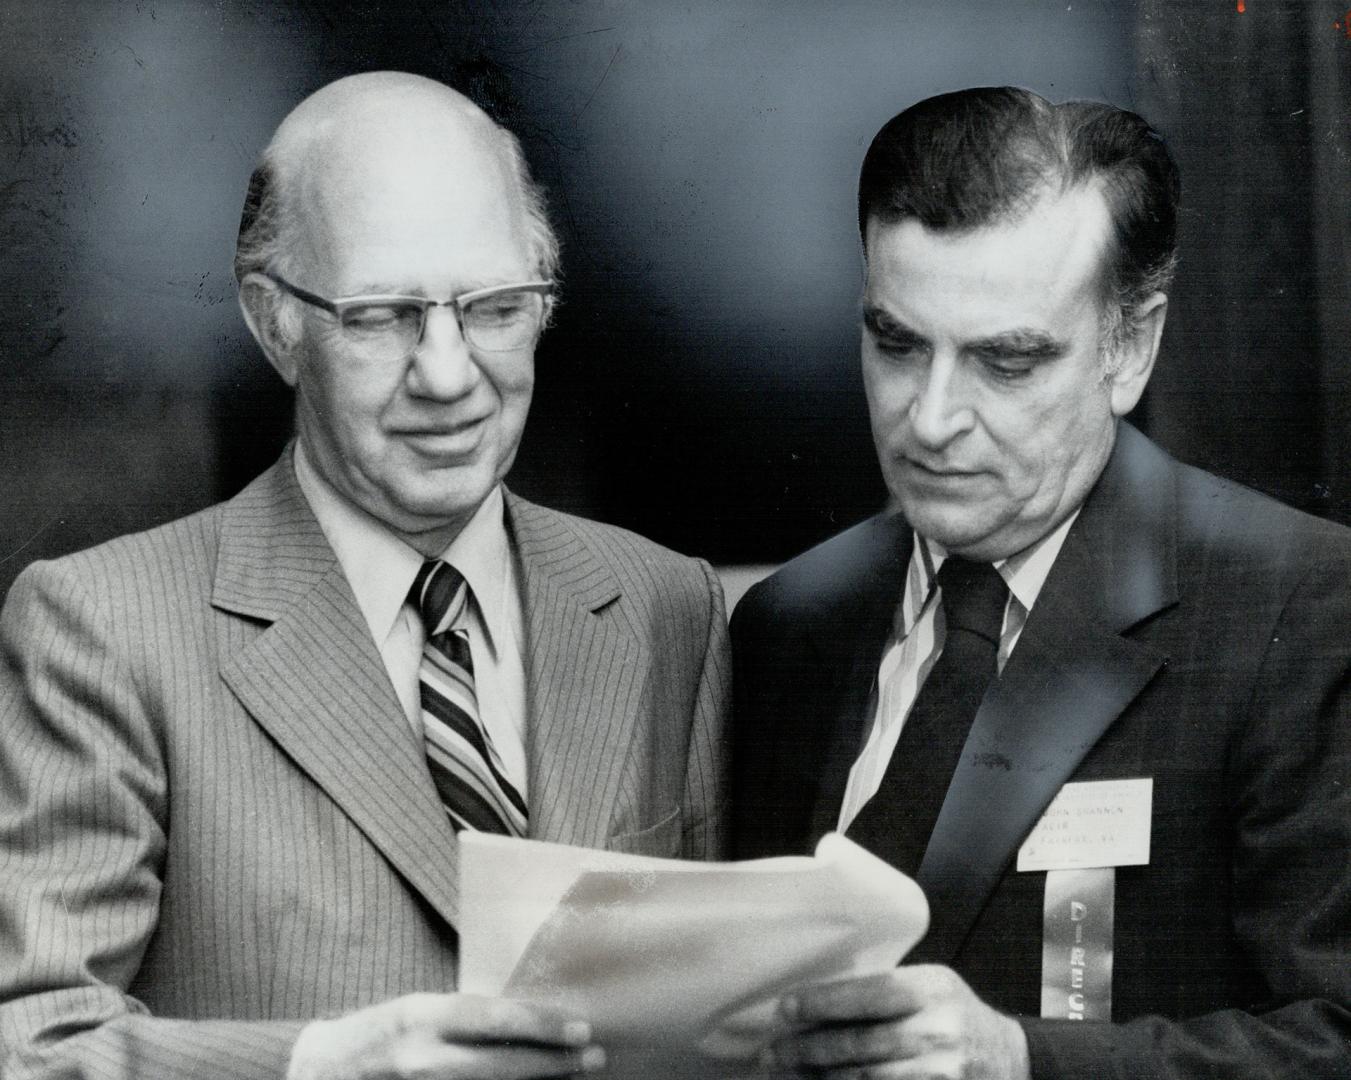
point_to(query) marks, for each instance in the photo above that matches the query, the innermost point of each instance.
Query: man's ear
(260, 300)
(1134, 362)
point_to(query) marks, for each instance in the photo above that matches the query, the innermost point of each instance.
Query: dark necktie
(896, 822)
(460, 754)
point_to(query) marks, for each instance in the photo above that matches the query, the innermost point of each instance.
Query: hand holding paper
(924, 1016)
(665, 957)
(449, 1036)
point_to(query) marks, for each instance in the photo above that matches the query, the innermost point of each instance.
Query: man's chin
(437, 514)
(960, 535)
(427, 519)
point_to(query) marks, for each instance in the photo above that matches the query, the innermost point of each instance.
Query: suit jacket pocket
(663, 838)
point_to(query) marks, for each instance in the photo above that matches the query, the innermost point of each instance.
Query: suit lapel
(586, 672)
(316, 682)
(1071, 675)
(850, 643)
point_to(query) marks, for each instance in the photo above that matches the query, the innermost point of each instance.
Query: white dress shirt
(380, 569)
(916, 642)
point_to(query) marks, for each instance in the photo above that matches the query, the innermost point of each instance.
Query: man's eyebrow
(1031, 344)
(888, 326)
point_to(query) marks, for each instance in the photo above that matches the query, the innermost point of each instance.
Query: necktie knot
(974, 597)
(439, 592)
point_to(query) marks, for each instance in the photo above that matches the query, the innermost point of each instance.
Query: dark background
(700, 384)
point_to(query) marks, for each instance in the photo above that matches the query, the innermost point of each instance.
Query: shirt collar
(380, 567)
(1024, 573)
(481, 552)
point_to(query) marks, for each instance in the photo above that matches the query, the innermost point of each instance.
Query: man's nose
(443, 365)
(939, 411)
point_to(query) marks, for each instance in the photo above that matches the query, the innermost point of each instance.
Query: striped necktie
(460, 754)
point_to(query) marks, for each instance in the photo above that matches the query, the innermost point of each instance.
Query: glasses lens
(503, 321)
(381, 330)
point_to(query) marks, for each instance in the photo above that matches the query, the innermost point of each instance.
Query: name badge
(1095, 823)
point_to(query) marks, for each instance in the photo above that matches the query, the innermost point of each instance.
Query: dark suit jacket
(1190, 631)
(215, 819)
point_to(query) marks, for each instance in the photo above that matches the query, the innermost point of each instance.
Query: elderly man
(1054, 609)
(237, 749)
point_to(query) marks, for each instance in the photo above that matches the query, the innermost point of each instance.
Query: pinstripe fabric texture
(215, 822)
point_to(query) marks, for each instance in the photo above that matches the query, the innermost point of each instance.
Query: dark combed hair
(976, 157)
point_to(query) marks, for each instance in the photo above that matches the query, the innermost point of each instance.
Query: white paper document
(669, 959)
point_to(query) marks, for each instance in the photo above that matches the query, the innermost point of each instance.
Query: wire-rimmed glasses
(500, 318)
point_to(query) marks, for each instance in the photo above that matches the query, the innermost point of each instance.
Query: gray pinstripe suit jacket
(215, 820)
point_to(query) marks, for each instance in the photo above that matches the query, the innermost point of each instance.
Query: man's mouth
(445, 440)
(938, 470)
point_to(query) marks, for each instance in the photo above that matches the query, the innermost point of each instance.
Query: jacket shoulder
(1221, 517)
(638, 564)
(118, 571)
(858, 561)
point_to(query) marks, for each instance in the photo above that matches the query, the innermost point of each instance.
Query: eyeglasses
(389, 327)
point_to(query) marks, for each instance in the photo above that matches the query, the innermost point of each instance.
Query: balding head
(375, 97)
(382, 130)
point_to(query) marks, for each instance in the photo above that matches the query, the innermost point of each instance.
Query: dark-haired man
(1054, 609)
(235, 751)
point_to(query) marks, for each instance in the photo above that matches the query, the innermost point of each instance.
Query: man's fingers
(824, 1048)
(888, 996)
(468, 1018)
(875, 1052)
(445, 1037)
(499, 1062)
(920, 1021)
(928, 1068)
